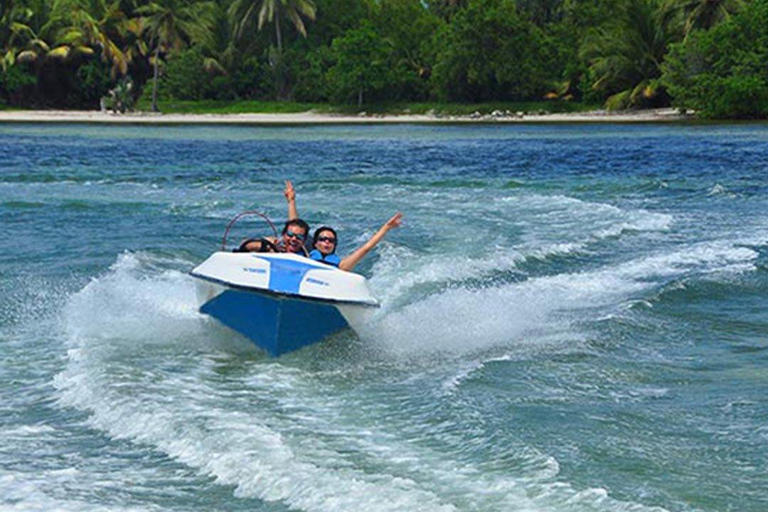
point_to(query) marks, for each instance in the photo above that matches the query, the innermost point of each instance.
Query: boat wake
(380, 422)
(148, 368)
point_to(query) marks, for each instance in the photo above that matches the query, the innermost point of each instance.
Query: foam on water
(125, 302)
(521, 313)
(23, 493)
(578, 224)
(272, 430)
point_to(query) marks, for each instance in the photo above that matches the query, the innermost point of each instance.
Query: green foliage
(68, 53)
(309, 71)
(286, 107)
(705, 14)
(541, 12)
(362, 65)
(245, 14)
(93, 82)
(86, 27)
(15, 83)
(252, 79)
(232, 107)
(173, 24)
(572, 22)
(120, 99)
(489, 52)
(721, 73)
(625, 56)
(184, 76)
(334, 18)
(407, 26)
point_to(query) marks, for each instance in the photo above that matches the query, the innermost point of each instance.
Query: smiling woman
(325, 240)
(324, 246)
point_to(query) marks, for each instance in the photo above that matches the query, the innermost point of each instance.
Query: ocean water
(574, 319)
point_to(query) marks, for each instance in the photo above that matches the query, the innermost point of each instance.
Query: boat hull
(280, 302)
(275, 324)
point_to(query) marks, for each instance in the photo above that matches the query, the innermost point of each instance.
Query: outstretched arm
(349, 262)
(290, 196)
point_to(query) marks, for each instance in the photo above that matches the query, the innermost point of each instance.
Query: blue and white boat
(282, 302)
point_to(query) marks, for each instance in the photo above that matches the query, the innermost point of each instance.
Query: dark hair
(299, 224)
(317, 235)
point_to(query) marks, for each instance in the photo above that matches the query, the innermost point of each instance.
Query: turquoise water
(574, 319)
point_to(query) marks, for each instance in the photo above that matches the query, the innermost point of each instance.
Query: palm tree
(705, 14)
(242, 13)
(625, 59)
(171, 25)
(19, 27)
(81, 26)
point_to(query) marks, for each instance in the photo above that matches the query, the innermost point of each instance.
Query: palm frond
(27, 56)
(618, 101)
(60, 52)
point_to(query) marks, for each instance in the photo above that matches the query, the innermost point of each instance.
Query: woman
(325, 240)
(324, 244)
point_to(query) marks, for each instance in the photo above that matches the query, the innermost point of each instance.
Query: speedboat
(280, 301)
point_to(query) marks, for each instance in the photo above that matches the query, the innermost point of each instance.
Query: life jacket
(329, 259)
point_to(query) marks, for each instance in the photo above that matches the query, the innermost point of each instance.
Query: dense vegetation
(706, 55)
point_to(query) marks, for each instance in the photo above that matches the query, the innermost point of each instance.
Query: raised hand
(395, 222)
(290, 193)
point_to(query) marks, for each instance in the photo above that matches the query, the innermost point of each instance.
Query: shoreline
(666, 115)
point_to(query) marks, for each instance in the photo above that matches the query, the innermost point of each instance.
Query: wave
(134, 296)
(463, 320)
(402, 272)
(22, 205)
(22, 492)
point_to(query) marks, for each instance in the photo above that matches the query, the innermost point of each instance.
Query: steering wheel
(237, 217)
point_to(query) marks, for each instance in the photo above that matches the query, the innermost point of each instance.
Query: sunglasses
(326, 239)
(291, 234)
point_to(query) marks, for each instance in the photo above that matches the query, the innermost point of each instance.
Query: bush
(362, 65)
(120, 99)
(721, 73)
(488, 53)
(15, 85)
(186, 78)
(252, 79)
(93, 82)
(310, 71)
(184, 74)
(408, 26)
(738, 97)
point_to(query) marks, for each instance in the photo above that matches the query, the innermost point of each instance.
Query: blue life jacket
(331, 259)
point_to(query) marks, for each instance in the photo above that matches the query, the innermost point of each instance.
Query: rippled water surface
(574, 319)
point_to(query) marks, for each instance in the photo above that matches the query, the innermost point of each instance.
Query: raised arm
(290, 196)
(349, 262)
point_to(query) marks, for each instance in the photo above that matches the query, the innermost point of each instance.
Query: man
(291, 240)
(323, 246)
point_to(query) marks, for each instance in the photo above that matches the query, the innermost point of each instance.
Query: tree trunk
(154, 80)
(279, 36)
(360, 97)
(279, 69)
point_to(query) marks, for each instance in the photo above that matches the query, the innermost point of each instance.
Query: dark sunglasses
(291, 234)
(326, 239)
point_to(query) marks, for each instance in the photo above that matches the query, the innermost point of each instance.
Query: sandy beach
(304, 118)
